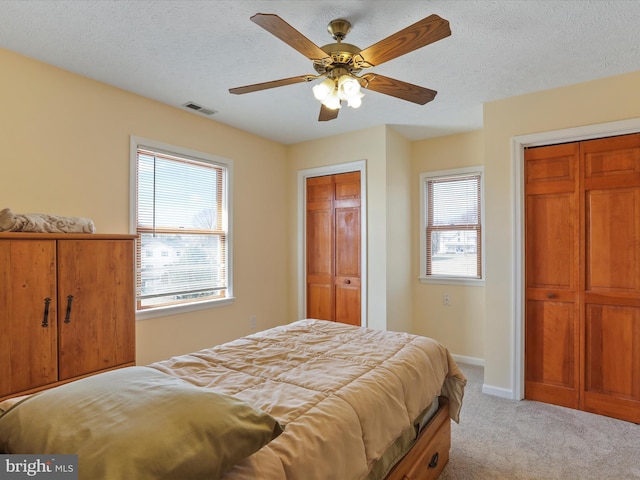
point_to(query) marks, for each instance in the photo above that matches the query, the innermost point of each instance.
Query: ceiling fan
(340, 64)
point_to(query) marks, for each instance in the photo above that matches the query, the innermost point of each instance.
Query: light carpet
(509, 439)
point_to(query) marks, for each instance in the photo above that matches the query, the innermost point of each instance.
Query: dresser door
(28, 328)
(95, 302)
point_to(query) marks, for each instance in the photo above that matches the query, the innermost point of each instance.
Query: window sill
(470, 282)
(177, 309)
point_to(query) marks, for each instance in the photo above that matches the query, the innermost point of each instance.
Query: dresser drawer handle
(45, 320)
(67, 318)
(434, 460)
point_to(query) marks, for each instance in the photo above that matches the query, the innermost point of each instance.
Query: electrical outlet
(252, 322)
(446, 300)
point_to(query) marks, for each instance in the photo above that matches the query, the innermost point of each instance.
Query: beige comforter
(342, 393)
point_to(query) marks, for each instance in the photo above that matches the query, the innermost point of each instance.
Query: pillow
(140, 423)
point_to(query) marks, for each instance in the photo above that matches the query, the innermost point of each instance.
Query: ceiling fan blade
(289, 35)
(399, 89)
(273, 84)
(421, 33)
(327, 114)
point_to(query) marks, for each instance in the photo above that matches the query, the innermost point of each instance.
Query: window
(182, 223)
(451, 226)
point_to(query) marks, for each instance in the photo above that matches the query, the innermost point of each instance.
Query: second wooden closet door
(333, 248)
(582, 320)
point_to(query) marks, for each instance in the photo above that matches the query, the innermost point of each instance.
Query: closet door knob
(347, 281)
(551, 295)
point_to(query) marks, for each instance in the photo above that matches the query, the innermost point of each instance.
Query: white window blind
(182, 230)
(453, 226)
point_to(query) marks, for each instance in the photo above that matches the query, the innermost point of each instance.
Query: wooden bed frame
(429, 455)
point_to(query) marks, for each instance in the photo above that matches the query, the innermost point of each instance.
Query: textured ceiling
(185, 50)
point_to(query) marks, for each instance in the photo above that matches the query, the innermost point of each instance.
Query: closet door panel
(320, 226)
(348, 302)
(319, 298)
(612, 276)
(613, 240)
(612, 361)
(552, 245)
(551, 234)
(347, 248)
(551, 350)
(347, 242)
(319, 248)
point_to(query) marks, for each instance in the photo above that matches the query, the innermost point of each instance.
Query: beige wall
(380, 148)
(65, 150)
(599, 101)
(367, 145)
(461, 325)
(399, 215)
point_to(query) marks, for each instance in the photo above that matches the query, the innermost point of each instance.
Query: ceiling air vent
(199, 108)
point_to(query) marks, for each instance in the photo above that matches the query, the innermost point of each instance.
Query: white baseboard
(468, 360)
(487, 389)
(497, 391)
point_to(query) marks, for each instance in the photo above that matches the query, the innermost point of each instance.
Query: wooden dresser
(66, 308)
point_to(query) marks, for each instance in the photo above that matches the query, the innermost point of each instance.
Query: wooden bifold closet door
(333, 248)
(582, 243)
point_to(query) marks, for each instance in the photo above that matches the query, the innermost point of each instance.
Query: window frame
(143, 143)
(450, 279)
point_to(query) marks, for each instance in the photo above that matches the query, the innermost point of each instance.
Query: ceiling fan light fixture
(356, 101)
(324, 89)
(332, 101)
(348, 87)
(349, 90)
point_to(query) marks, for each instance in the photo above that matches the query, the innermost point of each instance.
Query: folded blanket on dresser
(43, 223)
(343, 394)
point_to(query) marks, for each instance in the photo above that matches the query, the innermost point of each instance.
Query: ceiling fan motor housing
(341, 55)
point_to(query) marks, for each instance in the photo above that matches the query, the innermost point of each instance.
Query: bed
(307, 400)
